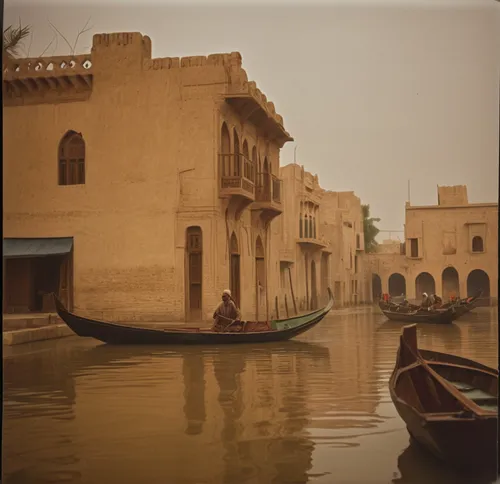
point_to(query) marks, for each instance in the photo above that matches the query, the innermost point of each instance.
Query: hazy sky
(374, 93)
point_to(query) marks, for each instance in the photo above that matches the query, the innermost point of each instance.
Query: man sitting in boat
(436, 301)
(426, 301)
(226, 312)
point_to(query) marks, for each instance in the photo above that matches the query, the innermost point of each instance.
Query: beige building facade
(450, 249)
(139, 188)
(321, 243)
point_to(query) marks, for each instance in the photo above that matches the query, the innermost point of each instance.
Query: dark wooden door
(195, 272)
(235, 278)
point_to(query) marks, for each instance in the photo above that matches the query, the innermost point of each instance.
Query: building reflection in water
(281, 413)
(193, 371)
(38, 424)
(263, 398)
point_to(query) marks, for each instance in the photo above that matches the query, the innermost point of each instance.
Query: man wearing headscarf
(426, 301)
(227, 309)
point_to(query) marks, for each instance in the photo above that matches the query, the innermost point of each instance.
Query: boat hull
(448, 404)
(465, 443)
(113, 333)
(444, 317)
(447, 314)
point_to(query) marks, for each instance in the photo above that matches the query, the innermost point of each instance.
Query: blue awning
(15, 248)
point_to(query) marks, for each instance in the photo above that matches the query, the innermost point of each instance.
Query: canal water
(312, 410)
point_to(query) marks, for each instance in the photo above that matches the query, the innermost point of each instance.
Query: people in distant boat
(436, 301)
(426, 301)
(385, 297)
(226, 311)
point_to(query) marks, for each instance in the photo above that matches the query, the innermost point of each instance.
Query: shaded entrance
(260, 279)
(376, 287)
(479, 280)
(451, 286)
(424, 283)
(33, 270)
(234, 274)
(194, 272)
(397, 285)
(314, 288)
(325, 284)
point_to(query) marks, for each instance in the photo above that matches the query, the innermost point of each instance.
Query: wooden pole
(286, 307)
(291, 289)
(277, 307)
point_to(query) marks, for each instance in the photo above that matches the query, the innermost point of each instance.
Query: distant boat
(237, 332)
(449, 403)
(445, 314)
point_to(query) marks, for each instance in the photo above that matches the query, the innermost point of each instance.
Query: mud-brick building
(450, 248)
(321, 243)
(139, 188)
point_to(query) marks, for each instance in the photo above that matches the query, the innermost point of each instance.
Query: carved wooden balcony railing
(269, 188)
(268, 196)
(237, 176)
(47, 79)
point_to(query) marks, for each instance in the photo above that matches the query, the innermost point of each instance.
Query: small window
(413, 247)
(477, 244)
(358, 241)
(72, 159)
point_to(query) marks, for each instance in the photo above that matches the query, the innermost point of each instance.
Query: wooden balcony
(268, 196)
(237, 176)
(311, 243)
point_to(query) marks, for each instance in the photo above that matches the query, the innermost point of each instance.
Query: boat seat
(479, 397)
(463, 387)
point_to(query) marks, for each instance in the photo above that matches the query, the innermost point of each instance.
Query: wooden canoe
(243, 332)
(436, 316)
(448, 403)
(460, 308)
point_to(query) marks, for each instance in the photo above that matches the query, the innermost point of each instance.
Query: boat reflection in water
(124, 402)
(311, 410)
(418, 466)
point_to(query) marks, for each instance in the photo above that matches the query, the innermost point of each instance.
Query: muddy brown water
(312, 410)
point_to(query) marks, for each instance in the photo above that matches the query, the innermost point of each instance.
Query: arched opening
(397, 285)
(478, 280)
(234, 269)
(376, 287)
(266, 178)
(236, 151)
(260, 277)
(246, 153)
(308, 285)
(306, 226)
(255, 164)
(194, 273)
(424, 283)
(477, 244)
(451, 285)
(314, 288)
(325, 265)
(72, 159)
(225, 151)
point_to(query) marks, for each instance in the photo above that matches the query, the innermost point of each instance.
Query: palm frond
(12, 38)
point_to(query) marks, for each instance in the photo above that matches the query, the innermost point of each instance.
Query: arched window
(72, 159)
(477, 244)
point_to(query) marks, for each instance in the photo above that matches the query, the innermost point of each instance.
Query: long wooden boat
(242, 332)
(461, 307)
(449, 404)
(436, 316)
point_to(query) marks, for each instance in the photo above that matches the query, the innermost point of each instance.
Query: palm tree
(369, 229)
(12, 38)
